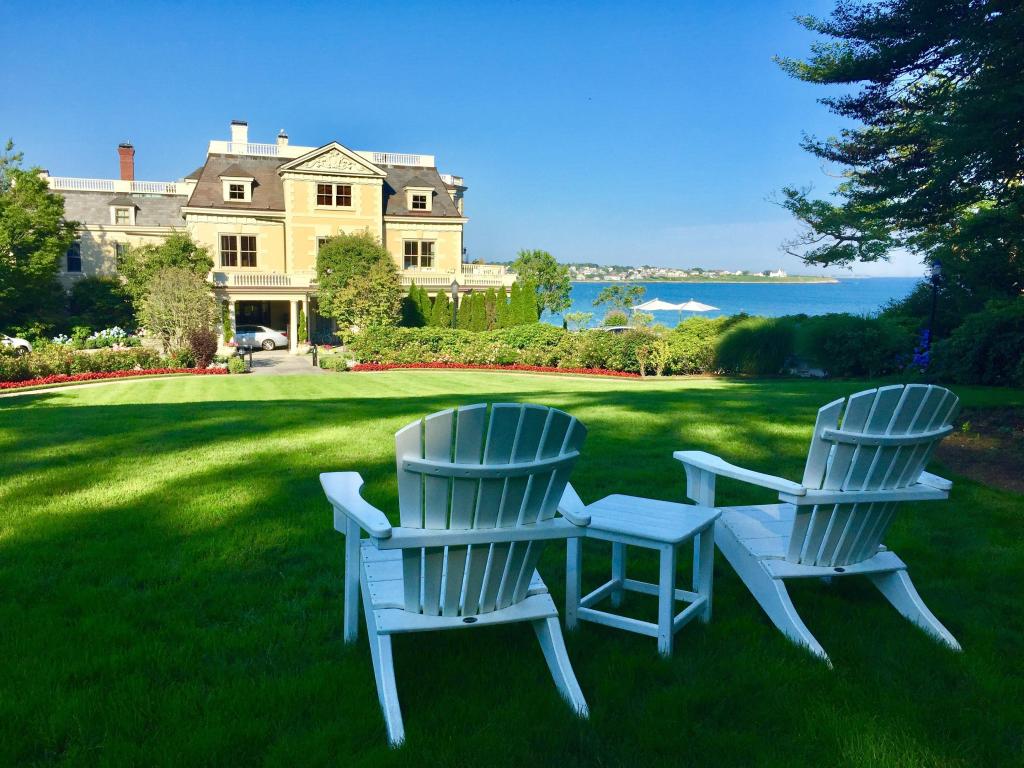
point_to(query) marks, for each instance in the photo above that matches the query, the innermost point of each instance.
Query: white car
(253, 336)
(21, 346)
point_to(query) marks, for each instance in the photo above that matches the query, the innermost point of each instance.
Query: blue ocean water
(859, 296)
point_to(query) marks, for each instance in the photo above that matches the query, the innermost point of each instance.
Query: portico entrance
(272, 314)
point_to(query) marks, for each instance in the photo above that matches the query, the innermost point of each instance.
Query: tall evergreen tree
(423, 301)
(478, 313)
(528, 309)
(464, 312)
(491, 308)
(512, 308)
(441, 315)
(412, 311)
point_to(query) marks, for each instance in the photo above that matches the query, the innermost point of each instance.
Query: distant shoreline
(765, 281)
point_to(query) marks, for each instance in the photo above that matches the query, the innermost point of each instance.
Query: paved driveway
(280, 361)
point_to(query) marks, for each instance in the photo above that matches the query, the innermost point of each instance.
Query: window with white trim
(238, 250)
(123, 216)
(419, 254)
(419, 202)
(334, 195)
(419, 199)
(236, 191)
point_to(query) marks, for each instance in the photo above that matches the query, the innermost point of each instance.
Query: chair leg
(703, 568)
(618, 572)
(352, 566)
(573, 579)
(549, 633)
(770, 593)
(899, 590)
(384, 674)
(666, 599)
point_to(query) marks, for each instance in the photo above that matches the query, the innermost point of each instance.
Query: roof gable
(333, 159)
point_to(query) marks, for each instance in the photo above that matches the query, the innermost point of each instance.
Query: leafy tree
(551, 279)
(358, 282)
(368, 300)
(641, 319)
(177, 302)
(100, 302)
(441, 316)
(620, 297)
(933, 163)
(141, 263)
(615, 317)
(579, 320)
(33, 239)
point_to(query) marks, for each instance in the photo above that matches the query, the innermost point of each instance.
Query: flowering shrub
(108, 337)
(60, 378)
(511, 367)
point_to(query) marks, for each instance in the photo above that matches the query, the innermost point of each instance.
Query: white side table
(659, 525)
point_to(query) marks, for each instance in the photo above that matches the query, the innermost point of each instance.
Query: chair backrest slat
(474, 468)
(884, 441)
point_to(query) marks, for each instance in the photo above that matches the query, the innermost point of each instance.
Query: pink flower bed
(61, 378)
(483, 367)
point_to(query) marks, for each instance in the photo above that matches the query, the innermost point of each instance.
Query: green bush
(333, 363)
(51, 359)
(987, 348)
(236, 365)
(757, 346)
(692, 345)
(202, 343)
(615, 317)
(182, 357)
(851, 346)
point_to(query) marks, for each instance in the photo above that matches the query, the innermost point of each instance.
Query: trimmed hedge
(57, 360)
(987, 348)
(756, 346)
(851, 346)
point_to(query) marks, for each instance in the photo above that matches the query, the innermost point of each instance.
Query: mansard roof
(400, 177)
(267, 189)
(150, 210)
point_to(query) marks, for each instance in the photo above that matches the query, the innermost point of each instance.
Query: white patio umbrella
(656, 305)
(693, 306)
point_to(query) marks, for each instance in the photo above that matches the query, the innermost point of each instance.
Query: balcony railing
(453, 181)
(398, 158)
(264, 279)
(72, 184)
(470, 276)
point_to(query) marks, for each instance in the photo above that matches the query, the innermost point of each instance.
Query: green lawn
(170, 592)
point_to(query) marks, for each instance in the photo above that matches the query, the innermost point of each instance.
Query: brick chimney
(126, 153)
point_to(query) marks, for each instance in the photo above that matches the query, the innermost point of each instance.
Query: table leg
(703, 568)
(666, 598)
(618, 572)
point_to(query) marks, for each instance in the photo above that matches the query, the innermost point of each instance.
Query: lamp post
(455, 301)
(935, 277)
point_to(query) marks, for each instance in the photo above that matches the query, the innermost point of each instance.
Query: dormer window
(236, 184)
(419, 199)
(122, 211)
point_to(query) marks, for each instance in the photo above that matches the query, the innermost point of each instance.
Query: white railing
(454, 181)
(248, 148)
(485, 269)
(72, 184)
(263, 279)
(443, 278)
(398, 158)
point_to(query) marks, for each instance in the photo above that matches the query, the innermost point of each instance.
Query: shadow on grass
(172, 596)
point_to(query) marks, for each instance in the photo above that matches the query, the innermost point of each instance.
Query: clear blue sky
(611, 132)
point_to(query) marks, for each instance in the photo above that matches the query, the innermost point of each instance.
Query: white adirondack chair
(478, 494)
(858, 473)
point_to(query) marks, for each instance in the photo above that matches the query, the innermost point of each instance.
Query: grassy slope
(170, 592)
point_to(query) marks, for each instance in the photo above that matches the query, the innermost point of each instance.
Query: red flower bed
(61, 378)
(483, 367)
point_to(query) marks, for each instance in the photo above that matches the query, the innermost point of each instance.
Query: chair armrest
(941, 483)
(418, 538)
(572, 508)
(342, 489)
(709, 463)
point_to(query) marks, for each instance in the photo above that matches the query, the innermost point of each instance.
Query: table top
(663, 522)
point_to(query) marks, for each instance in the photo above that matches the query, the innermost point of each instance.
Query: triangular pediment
(335, 160)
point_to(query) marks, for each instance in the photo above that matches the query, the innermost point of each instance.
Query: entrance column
(293, 325)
